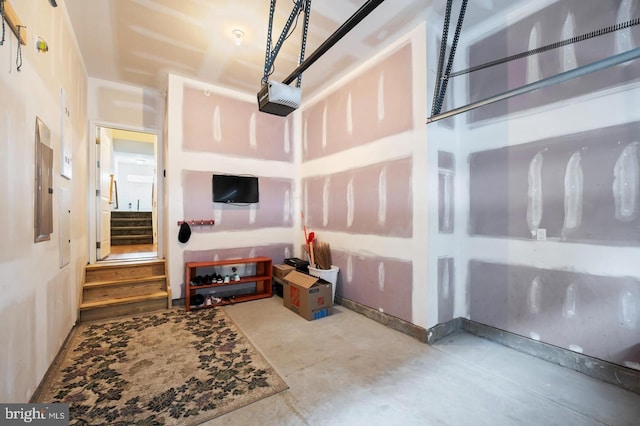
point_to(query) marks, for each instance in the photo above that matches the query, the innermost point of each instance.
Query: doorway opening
(126, 194)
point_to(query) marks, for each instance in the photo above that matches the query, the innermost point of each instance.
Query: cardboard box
(280, 270)
(308, 296)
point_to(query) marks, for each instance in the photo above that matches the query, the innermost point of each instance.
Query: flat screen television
(234, 189)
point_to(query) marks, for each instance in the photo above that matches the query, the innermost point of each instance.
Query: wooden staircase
(131, 227)
(114, 289)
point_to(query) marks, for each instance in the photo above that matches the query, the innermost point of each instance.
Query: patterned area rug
(169, 368)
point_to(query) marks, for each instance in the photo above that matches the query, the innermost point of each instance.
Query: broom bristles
(322, 254)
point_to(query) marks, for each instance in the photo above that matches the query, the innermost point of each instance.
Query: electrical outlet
(541, 234)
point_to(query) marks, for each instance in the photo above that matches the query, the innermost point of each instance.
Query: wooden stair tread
(124, 287)
(132, 242)
(126, 214)
(128, 218)
(124, 219)
(131, 227)
(105, 283)
(124, 264)
(123, 300)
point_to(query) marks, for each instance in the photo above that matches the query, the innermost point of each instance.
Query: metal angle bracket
(270, 55)
(442, 78)
(364, 11)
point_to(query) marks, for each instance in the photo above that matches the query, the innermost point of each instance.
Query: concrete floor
(349, 370)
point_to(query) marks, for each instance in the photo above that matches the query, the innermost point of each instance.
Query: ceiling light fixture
(238, 34)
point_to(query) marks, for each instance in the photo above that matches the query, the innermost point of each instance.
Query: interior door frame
(92, 184)
(104, 184)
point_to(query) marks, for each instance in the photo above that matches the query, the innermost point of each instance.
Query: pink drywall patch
(374, 105)
(220, 124)
(376, 199)
(361, 280)
(273, 210)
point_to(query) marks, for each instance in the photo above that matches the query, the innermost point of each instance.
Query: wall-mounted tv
(234, 189)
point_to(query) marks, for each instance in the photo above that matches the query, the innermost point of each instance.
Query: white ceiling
(140, 42)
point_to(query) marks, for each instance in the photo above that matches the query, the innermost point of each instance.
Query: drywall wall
(217, 123)
(561, 20)
(275, 192)
(582, 187)
(355, 153)
(362, 110)
(551, 180)
(447, 201)
(212, 130)
(128, 107)
(586, 313)
(41, 282)
(125, 107)
(446, 289)
(364, 179)
(375, 199)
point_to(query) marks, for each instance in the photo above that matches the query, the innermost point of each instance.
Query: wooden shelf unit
(262, 278)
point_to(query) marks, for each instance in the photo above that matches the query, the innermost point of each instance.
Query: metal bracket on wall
(348, 25)
(199, 222)
(368, 7)
(270, 55)
(443, 78)
(10, 16)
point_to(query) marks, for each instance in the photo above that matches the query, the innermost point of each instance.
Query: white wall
(135, 186)
(588, 112)
(443, 136)
(130, 107)
(208, 159)
(593, 111)
(40, 298)
(604, 272)
(125, 107)
(413, 144)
